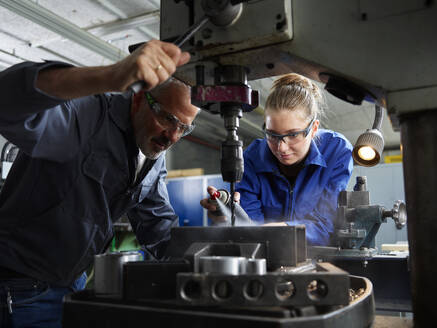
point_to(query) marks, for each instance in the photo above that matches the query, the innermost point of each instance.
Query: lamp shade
(368, 148)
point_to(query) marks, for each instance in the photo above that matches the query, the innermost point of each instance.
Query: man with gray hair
(86, 158)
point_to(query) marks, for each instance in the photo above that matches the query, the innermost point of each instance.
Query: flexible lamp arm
(378, 118)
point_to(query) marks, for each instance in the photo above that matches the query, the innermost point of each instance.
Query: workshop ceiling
(98, 32)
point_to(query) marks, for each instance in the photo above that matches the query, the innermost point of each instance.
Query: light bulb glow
(366, 153)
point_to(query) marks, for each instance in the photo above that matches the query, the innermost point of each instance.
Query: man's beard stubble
(150, 154)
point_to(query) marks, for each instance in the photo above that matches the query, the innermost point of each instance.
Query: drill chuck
(232, 163)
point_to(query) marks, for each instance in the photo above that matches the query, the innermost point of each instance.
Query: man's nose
(172, 135)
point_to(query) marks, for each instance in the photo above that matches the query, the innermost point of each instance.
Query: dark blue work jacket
(73, 177)
(267, 196)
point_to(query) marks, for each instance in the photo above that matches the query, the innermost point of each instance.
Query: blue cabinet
(185, 194)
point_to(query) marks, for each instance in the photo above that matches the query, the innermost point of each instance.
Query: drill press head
(230, 97)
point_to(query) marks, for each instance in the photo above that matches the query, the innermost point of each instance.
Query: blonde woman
(293, 175)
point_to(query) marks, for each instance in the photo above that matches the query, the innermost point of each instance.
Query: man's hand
(211, 207)
(152, 63)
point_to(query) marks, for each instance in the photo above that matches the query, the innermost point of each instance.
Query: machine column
(419, 140)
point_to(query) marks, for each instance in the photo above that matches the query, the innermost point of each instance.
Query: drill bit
(232, 204)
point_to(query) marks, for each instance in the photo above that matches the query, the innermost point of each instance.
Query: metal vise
(358, 222)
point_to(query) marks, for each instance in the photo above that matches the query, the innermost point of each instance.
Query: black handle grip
(135, 46)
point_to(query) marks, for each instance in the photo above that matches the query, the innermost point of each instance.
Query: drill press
(230, 95)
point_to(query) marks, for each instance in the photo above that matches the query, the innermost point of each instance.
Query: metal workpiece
(256, 266)
(419, 139)
(232, 265)
(229, 265)
(108, 272)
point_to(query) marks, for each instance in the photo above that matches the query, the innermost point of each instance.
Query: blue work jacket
(267, 196)
(73, 177)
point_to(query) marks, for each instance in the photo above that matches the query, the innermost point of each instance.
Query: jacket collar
(268, 162)
(119, 110)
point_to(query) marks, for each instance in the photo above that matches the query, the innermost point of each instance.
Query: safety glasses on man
(167, 120)
(289, 138)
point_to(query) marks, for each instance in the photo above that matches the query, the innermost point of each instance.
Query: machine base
(84, 310)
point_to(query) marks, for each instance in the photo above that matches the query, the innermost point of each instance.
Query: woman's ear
(315, 128)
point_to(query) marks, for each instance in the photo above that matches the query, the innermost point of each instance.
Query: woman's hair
(291, 91)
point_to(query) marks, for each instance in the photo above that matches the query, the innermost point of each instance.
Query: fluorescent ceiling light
(144, 20)
(125, 24)
(59, 25)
